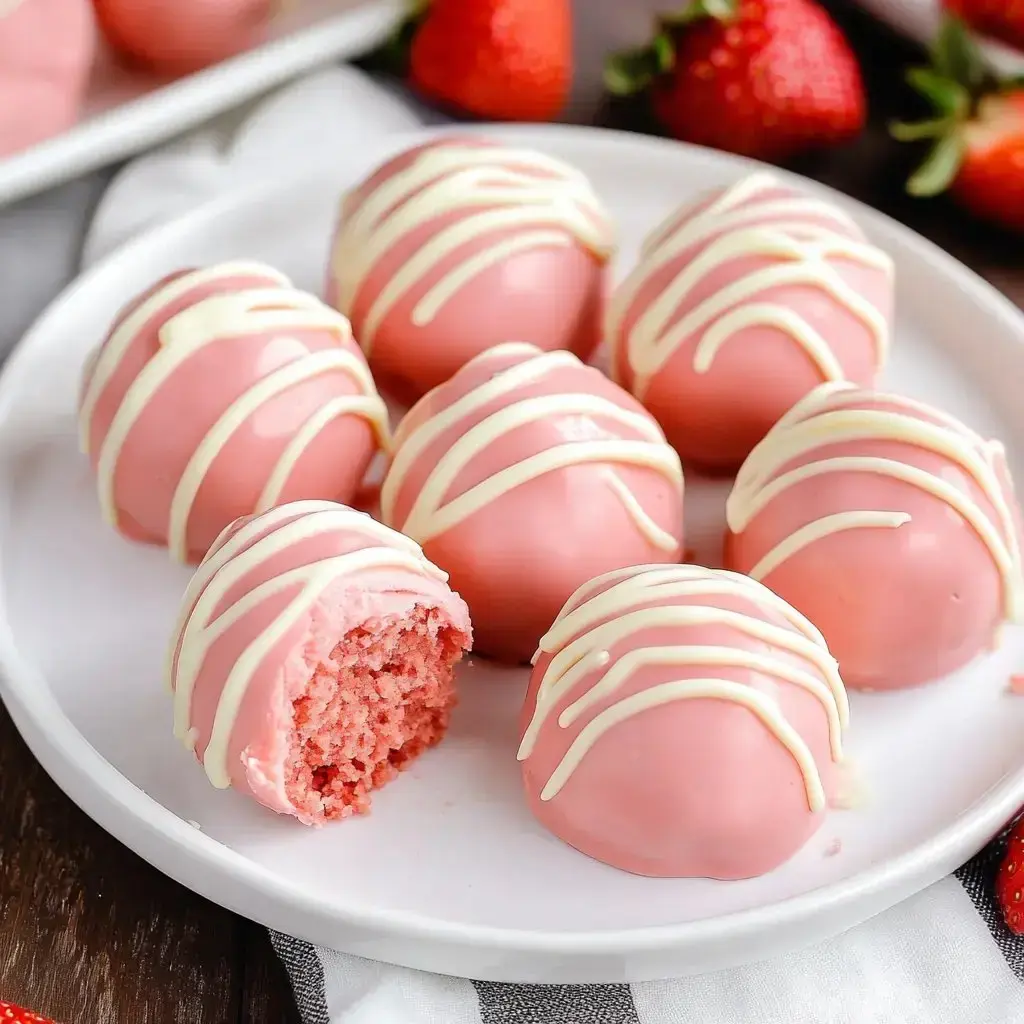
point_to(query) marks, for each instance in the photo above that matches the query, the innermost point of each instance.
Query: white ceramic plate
(449, 873)
(919, 19)
(127, 112)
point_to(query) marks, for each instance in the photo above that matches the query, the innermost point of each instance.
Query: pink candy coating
(182, 36)
(46, 50)
(200, 390)
(714, 418)
(520, 556)
(898, 606)
(549, 295)
(344, 614)
(691, 787)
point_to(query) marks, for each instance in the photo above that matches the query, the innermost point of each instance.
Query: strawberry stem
(933, 129)
(956, 56)
(392, 55)
(948, 97)
(632, 71)
(936, 174)
(958, 78)
(698, 10)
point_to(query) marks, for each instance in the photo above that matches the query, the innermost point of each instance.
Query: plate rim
(119, 806)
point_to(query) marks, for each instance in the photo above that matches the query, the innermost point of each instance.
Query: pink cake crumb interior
(381, 699)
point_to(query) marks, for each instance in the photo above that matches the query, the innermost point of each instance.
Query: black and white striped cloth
(942, 957)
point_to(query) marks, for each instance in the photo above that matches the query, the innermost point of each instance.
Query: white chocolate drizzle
(275, 307)
(492, 191)
(431, 514)
(202, 619)
(799, 251)
(839, 413)
(588, 628)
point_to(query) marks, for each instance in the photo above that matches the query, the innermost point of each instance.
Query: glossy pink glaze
(517, 560)
(550, 297)
(197, 394)
(690, 788)
(713, 419)
(259, 740)
(898, 607)
(46, 51)
(182, 36)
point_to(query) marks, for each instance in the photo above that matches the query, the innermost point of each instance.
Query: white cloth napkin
(943, 957)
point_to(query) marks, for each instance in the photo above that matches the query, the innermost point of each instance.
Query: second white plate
(450, 873)
(127, 112)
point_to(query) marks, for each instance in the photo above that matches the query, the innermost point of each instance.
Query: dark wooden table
(89, 933)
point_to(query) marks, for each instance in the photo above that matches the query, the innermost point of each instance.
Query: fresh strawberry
(11, 1014)
(1001, 19)
(764, 78)
(977, 131)
(1009, 881)
(504, 60)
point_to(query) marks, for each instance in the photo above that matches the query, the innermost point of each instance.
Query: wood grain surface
(90, 934)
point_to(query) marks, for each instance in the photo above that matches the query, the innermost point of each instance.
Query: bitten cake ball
(742, 304)
(460, 244)
(524, 476)
(313, 658)
(46, 50)
(682, 722)
(888, 523)
(221, 392)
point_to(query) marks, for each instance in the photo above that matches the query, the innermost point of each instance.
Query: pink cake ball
(525, 475)
(181, 36)
(682, 722)
(889, 524)
(221, 392)
(460, 244)
(313, 658)
(742, 304)
(46, 51)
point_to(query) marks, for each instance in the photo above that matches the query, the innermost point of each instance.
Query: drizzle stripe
(558, 679)
(740, 224)
(818, 529)
(215, 318)
(692, 689)
(315, 579)
(242, 554)
(813, 424)
(511, 189)
(593, 622)
(117, 345)
(236, 415)
(431, 516)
